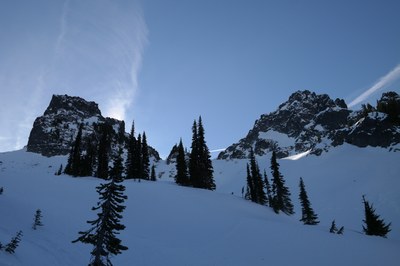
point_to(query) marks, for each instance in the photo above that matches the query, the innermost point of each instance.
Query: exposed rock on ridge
(54, 132)
(308, 121)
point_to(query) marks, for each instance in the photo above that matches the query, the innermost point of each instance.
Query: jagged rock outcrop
(54, 132)
(308, 121)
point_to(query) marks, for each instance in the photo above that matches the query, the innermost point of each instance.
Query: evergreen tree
(145, 158)
(89, 158)
(10, 247)
(73, 166)
(117, 169)
(194, 158)
(153, 173)
(200, 165)
(333, 228)
(137, 159)
(181, 177)
(121, 132)
(374, 225)
(250, 191)
(281, 195)
(307, 213)
(130, 166)
(340, 231)
(59, 171)
(102, 234)
(258, 186)
(102, 158)
(38, 219)
(268, 189)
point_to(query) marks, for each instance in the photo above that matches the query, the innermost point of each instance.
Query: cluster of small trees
(138, 163)
(92, 156)
(14, 242)
(277, 197)
(198, 172)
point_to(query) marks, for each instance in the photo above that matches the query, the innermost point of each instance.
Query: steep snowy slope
(171, 225)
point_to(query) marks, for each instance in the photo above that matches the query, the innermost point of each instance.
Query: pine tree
(10, 247)
(307, 213)
(268, 189)
(102, 234)
(200, 165)
(73, 166)
(145, 158)
(194, 158)
(153, 173)
(38, 219)
(59, 171)
(250, 191)
(340, 231)
(137, 159)
(281, 195)
(130, 165)
(117, 169)
(258, 185)
(374, 225)
(181, 177)
(333, 228)
(102, 154)
(89, 158)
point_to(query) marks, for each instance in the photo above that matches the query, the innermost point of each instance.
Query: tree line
(92, 156)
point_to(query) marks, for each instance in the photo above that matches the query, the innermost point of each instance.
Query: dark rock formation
(308, 121)
(54, 132)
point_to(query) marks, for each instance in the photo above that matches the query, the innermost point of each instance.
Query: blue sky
(164, 63)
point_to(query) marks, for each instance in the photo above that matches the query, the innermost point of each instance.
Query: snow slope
(171, 225)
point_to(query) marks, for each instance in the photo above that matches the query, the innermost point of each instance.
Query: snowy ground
(171, 225)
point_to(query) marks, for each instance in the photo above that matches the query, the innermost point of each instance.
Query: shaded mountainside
(308, 121)
(54, 132)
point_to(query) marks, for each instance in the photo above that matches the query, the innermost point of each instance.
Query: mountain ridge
(316, 123)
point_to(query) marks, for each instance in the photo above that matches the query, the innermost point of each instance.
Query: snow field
(171, 225)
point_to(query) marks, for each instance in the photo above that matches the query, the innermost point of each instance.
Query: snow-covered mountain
(316, 123)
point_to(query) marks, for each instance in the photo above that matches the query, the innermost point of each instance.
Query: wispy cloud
(134, 50)
(218, 150)
(99, 51)
(63, 27)
(386, 80)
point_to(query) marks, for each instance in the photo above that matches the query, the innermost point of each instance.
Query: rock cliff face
(54, 132)
(311, 122)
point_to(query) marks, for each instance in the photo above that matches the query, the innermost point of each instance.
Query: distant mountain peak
(310, 121)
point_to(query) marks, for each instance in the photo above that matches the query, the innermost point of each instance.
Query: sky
(165, 63)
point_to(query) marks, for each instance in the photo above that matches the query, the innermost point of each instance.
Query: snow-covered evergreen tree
(102, 234)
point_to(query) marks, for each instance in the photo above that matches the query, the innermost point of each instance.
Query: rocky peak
(54, 132)
(72, 105)
(308, 121)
